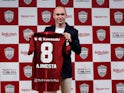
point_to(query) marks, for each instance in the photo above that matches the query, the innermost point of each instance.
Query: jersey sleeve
(31, 45)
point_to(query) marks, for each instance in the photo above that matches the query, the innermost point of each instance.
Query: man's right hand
(30, 34)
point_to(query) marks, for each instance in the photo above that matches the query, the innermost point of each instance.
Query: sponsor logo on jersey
(84, 88)
(46, 16)
(45, 80)
(64, 2)
(102, 70)
(118, 16)
(27, 71)
(120, 88)
(82, 16)
(101, 34)
(26, 33)
(9, 88)
(9, 16)
(119, 52)
(46, 39)
(100, 2)
(84, 52)
(27, 1)
(9, 52)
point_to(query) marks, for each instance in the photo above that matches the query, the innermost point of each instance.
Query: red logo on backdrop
(65, 3)
(9, 16)
(45, 16)
(117, 17)
(26, 71)
(9, 53)
(117, 52)
(10, 87)
(101, 3)
(24, 32)
(102, 70)
(27, 3)
(118, 86)
(86, 53)
(82, 16)
(101, 34)
(84, 86)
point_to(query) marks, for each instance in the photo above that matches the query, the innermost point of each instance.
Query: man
(71, 34)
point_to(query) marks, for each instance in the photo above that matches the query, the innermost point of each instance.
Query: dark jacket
(75, 46)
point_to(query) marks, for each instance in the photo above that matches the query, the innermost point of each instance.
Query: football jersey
(48, 49)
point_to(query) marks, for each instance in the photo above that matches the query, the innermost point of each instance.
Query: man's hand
(67, 36)
(30, 34)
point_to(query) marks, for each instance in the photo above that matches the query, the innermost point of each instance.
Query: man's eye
(60, 14)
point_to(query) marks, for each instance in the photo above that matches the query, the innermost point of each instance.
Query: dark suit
(75, 46)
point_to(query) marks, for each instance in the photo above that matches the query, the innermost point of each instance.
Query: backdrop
(100, 66)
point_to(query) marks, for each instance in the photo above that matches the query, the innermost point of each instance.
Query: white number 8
(46, 52)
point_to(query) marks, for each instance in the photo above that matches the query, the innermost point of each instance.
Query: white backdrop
(99, 68)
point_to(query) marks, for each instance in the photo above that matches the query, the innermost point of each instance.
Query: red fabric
(49, 46)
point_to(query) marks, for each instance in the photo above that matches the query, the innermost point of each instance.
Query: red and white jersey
(48, 49)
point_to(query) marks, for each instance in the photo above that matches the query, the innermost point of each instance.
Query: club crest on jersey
(84, 52)
(26, 33)
(82, 16)
(119, 52)
(102, 70)
(9, 52)
(27, 71)
(120, 88)
(64, 2)
(84, 88)
(101, 34)
(9, 16)
(27, 1)
(100, 2)
(118, 16)
(9, 88)
(46, 16)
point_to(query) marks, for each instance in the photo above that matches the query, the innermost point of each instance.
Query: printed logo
(9, 16)
(27, 1)
(82, 16)
(101, 34)
(26, 33)
(64, 2)
(46, 16)
(102, 70)
(9, 88)
(119, 52)
(100, 2)
(84, 52)
(27, 71)
(120, 88)
(84, 88)
(9, 53)
(118, 16)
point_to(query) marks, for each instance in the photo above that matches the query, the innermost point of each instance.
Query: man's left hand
(67, 36)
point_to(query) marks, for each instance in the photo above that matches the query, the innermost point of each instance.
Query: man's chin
(60, 23)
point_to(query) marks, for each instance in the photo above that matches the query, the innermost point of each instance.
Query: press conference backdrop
(100, 66)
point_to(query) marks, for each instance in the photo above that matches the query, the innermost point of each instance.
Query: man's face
(59, 15)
